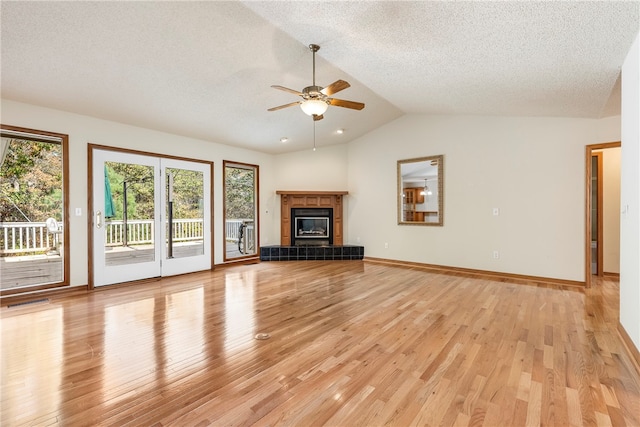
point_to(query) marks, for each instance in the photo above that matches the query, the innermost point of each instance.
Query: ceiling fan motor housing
(313, 92)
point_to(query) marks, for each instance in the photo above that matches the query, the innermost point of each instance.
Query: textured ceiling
(204, 69)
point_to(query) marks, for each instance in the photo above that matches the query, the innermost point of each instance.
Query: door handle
(98, 219)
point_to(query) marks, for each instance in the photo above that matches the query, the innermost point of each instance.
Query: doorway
(150, 216)
(602, 225)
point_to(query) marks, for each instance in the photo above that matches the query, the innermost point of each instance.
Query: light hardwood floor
(351, 343)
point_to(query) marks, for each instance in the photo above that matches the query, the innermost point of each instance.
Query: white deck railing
(232, 232)
(141, 231)
(28, 237)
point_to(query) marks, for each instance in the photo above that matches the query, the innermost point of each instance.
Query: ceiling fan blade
(317, 117)
(346, 104)
(335, 87)
(280, 107)
(286, 89)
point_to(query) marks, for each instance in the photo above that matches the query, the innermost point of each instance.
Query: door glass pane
(240, 205)
(185, 212)
(129, 213)
(32, 247)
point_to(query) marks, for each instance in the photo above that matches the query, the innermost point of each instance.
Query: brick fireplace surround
(311, 199)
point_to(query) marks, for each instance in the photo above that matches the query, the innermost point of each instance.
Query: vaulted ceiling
(204, 69)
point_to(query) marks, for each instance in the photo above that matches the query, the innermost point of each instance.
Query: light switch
(496, 211)
(78, 211)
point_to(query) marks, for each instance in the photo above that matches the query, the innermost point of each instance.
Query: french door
(151, 216)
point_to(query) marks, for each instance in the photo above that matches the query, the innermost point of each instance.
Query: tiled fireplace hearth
(311, 228)
(311, 253)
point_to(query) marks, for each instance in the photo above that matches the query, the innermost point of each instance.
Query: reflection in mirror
(240, 210)
(420, 191)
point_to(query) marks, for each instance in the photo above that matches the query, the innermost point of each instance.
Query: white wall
(630, 196)
(532, 169)
(322, 170)
(611, 207)
(83, 130)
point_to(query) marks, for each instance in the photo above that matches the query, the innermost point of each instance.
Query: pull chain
(314, 135)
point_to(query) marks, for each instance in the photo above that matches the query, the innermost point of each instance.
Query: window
(34, 226)
(240, 210)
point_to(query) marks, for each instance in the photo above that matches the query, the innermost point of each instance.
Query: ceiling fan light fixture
(314, 107)
(425, 190)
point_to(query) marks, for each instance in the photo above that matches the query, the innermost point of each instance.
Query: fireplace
(311, 226)
(323, 205)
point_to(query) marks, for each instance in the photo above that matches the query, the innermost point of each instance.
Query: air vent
(34, 301)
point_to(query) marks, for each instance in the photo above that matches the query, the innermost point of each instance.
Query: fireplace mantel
(312, 193)
(310, 199)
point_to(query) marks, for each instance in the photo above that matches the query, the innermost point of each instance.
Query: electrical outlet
(496, 255)
(78, 211)
(386, 245)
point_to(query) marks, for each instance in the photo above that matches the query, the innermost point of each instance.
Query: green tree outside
(239, 193)
(31, 181)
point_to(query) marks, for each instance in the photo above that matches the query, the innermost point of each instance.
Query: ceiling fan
(316, 99)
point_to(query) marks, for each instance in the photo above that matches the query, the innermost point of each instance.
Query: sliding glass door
(186, 204)
(150, 216)
(126, 220)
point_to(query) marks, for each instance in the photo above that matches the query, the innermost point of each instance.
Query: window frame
(256, 190)
(46, 136)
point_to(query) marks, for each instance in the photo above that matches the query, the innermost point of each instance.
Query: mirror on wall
(240, 210)
(420, 190)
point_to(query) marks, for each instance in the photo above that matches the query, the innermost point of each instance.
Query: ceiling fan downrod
(314, 48)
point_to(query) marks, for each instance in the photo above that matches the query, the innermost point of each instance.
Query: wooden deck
(351, 343)
(122, 255)
(21, 271)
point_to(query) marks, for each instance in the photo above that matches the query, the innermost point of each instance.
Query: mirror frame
(440, 186)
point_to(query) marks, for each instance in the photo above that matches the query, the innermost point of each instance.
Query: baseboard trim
(613, 275)
(632, 351)
(65, 292)
(241, 261)
(484, 274)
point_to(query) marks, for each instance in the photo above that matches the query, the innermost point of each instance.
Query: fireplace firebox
(311, 226)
